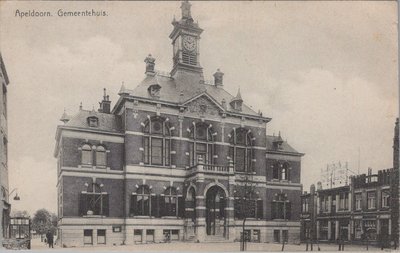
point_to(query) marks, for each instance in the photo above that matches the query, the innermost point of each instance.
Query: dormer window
(154, 90)
(93, 121)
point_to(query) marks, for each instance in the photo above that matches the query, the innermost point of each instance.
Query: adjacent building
(4, 203)
(367, 207)
(176, 157)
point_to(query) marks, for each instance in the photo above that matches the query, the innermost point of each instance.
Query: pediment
(203, 104)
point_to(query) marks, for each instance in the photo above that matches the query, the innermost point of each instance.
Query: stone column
(337, 202)
(230, 209)
(349, 231)
(200, 210)
(318, 230)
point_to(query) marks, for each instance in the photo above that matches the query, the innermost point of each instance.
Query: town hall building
(175, 158)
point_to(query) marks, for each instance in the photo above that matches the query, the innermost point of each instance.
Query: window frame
(162, 136)
(247, 145)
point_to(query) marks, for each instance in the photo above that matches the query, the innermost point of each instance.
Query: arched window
(171, 202)
(94, 201)
(201, 145)
(101, 156)
(241, 150)
(87, 154)
(157, 142)
(281, 170)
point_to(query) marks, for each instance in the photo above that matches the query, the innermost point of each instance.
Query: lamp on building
(16, 197)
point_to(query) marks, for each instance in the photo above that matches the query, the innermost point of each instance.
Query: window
(248, 206)
(101, 156)
(150, 235)
(87, 154)
(137, 235)
(156, 142)
(305, 202)
(285, 235)
(371, 200)
(358, 200)
(101, 236)
(241, 150)
(323, 230)
(171, 202)
(88, 236)
(93, 121)
(357, 229)
(370, 226)
(343, 201)
(201, 146)
(143, 200)
(94, 201)
(324, 203)
(281, 207)
(117, 229)
(277, 235)
(385, 199)
(281, 170)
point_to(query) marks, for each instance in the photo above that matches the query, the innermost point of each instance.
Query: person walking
(50, 239)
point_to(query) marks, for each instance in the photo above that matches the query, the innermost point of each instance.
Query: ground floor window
(370, 228)
(150, 235)
(88, 236)
(285, 235)
(101, 236)
(323, 230)
(173, 234)
(277, 236)
(256, 236)
(357, 229)
(137, 235)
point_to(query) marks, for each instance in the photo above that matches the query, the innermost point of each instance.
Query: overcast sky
(325, 72)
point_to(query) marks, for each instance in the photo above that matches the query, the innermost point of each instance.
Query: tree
(245, 204)
(44, 221)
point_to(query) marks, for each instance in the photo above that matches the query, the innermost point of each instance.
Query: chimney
(319, 186)
(150, 64)
(105, 104)
(218, 78)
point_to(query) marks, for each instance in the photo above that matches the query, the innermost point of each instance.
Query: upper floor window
(94, 201)
(324, 203)
(281, 207)
(201, 145)
(87, 154)
(358, 199)
(101, 156)
(344, 201)
(371, 200)
(305, 203)
(281, 170)
(241, 150)
(157, 142)
(385, 199)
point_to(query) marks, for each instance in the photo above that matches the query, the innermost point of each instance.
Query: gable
(203, 105)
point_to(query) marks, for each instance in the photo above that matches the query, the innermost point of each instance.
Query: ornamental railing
(201, 167)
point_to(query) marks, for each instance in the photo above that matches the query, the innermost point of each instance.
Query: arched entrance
(215, 211)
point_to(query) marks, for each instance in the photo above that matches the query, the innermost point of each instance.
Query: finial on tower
(186, 10)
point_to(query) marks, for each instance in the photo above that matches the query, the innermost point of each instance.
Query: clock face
(189, 43)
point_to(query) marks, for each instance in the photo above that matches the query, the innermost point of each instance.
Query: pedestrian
(50, 239)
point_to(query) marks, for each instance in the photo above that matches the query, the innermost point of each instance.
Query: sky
(325, 72)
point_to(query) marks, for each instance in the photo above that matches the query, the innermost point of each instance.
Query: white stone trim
(91, 136)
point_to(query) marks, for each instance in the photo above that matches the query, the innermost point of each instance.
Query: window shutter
(82, 204)
(133, 207)
(154, 206)
(162, 206)
(105, 205)
(181, 207)
(288, 210)
(260, 209)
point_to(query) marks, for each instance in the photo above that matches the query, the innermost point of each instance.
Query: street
(39, 246)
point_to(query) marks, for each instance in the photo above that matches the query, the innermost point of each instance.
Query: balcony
(201, 167)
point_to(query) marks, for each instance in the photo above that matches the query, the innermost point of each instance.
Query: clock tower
(185, 40)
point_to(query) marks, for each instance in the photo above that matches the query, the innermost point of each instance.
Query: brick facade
(172, 159)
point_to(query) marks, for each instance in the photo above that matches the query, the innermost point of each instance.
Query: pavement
(38, 246)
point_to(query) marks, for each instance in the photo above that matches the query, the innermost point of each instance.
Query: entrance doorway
(215, 211)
